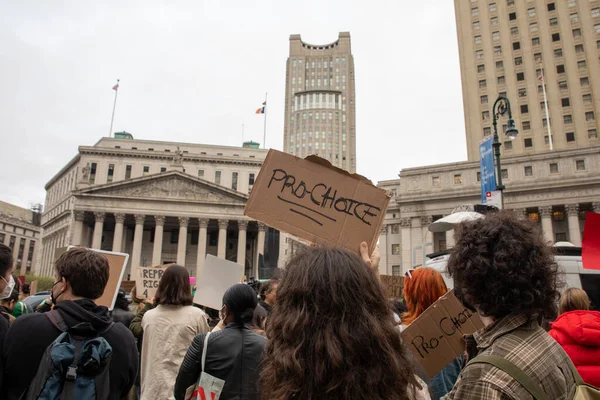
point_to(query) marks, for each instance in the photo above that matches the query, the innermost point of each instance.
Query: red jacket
(578, 332)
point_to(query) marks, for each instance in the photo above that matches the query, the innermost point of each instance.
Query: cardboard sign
(116, 264)
(393, 285)
(33, 287)
(315, 201)
(436, 336)
(147, 282)
(590, 249)
(217, 276)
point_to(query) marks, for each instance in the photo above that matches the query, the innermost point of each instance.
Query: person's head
(11, 300)
(574, 299)
(332, 334)
(398, 306)
(122, 301)
(7, 282)
(239, 302)
(80, 274)
(268, 291)
(422, 287)
(502, 265)
(174, 287)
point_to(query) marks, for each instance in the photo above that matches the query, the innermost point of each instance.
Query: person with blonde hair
(577, 330)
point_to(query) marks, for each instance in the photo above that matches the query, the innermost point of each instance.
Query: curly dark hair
(502, 265)
(331, 334)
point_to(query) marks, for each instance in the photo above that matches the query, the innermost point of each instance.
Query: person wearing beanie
(233, 354)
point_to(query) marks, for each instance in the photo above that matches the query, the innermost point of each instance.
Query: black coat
(233, 355)
(123, 316)
(30, 335)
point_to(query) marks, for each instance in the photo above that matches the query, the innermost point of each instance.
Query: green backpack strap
(517, 373)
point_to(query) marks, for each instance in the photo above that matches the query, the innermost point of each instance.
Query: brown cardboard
(315, 201)
(147, 282)
(393, 285)
(33, 287)
(436, 336)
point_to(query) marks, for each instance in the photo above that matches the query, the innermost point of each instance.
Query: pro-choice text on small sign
(317, 202)
(148, 280)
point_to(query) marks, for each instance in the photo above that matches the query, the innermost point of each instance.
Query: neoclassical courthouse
(142, 197)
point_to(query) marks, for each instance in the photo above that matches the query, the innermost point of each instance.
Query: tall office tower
(513, 47)
(320, 101)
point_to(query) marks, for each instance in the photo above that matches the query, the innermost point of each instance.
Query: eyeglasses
(409, 273)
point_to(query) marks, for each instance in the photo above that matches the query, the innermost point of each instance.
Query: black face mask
(54, 299)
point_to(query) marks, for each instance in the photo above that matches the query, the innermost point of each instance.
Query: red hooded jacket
(578, 332)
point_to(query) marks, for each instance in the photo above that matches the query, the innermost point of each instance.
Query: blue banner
(486, 167)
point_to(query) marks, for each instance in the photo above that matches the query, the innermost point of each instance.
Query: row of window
(317, 135)
(185, 152)
(531, 12)
(325, 62)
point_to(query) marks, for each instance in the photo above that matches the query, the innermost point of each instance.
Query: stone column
(201, 247)
(159, 220)
(222, 245)
(182, 240)
(136, 254)
(406, 245)
(546, 214)
(25, 256)
(260, 245)
(425, 222)
(572, 211)
(78, 228)
(118, 236)
(450, 239)
(98, 227)
(241, 250)
(383, 250)
(596, 207)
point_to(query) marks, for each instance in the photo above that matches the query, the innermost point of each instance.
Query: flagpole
(113, 112)
(265, 128)
(546, 108)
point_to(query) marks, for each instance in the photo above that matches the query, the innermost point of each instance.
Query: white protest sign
(217, 276)
(147, 281)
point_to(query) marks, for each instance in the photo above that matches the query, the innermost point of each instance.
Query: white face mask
(10, 285)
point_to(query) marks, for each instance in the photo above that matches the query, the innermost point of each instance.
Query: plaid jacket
(525, 344)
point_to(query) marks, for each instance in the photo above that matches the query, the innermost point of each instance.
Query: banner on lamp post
(494, 198)
(486, 168)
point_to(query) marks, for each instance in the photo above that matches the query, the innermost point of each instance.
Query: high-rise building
(506, 46)
(320, 100)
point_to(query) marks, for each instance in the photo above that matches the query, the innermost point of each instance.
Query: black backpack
(75, 366)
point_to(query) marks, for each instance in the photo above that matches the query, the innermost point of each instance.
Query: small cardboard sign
(393, 285)
(315, 201)
(33, 287)
(436, 336)
(116, 264)
(147, 282)
(217, 276)
(590, 249)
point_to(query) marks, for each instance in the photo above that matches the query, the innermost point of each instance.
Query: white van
(568, 259)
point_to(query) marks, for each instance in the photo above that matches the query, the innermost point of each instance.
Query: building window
(482, 83)
(528, 142)
(508, 145)
(111, 173)
(514, 30)
(499, 65)
(520, 76)
(577, 32)
(565, 102)
(587, 99)
(526, 125)
(163, 169)
(234, 180)
(547, 140)
(567, 119)
(589, 116)
(579, 49)
(584, 81)
(516, 45)
(518, 60)
(396, 270)
(93, 168)
(201, 173)
(146, 170)
(496, 35)
(560, 69)
(574, 18)
(540, 89)
(553, 168)
(458, 179)
(478, 39)
(531, 12)
(581, 65)
(487, 131)
(572, 3)
(128, 172)
(524, 109)
(501, 80)
(497, 49)
(535, 41)
(492, 7)
(484, 99)
(251, 179)
(395, 249)
(479, 177)
(512, 16)
(555, 37)
(562, 85)
(481, 68)
(553, 21)
(475, 11)
(494, 21)
(558, 53)
(595, 12)
(218, 177)
(522, 92)
(485, 115)
(545, 122)
(528, 170)
(551, 7)
(476, 25)
(533, 27)
(395, 229)
(592, 134)
(596, 28)
(504, 173)
(436, 181)
(570, 136)
(558, 216)
(580, 165)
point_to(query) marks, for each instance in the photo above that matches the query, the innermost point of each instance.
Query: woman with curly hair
(332, 336)
(422, 288)
(503, 268)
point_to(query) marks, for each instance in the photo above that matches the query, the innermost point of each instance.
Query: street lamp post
(501, 106)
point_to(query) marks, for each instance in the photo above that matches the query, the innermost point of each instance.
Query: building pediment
(169, 186)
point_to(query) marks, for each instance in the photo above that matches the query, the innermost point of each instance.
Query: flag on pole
(262, 109)
(116, 87)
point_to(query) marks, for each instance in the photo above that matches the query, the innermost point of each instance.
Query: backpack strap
(204, 350)
(57, 320)
(515, 372)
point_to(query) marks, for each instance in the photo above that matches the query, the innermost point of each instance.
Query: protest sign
(393, 285)
(436, 336)
(33, 287)
(590, 249)
(315, 201)
(217, 276)
(147, 281)
(117, 262)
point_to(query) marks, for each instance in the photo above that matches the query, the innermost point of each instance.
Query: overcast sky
(194, 71)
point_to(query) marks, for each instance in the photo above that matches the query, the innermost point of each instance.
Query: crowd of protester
(324, 330)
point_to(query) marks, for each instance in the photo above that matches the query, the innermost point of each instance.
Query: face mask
(222, 316)
(54, 299)
(10, 285)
